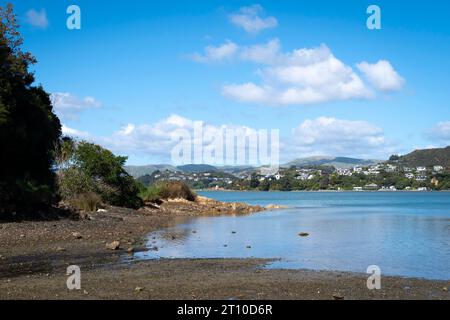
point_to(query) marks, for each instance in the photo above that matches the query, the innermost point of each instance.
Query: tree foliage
(29, 129)
(86, 167)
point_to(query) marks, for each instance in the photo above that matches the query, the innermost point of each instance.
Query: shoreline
(327, 191)
(35, 254)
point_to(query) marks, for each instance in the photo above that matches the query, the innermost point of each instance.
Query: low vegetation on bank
(167, 190)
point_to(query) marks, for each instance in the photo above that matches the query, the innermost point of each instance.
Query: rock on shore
(201, 206)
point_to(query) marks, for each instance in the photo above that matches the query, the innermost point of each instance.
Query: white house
(409, 176)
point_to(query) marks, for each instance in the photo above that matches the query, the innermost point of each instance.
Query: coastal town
(377, 177)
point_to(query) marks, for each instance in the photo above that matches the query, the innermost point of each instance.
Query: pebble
(338, 296)
(445, 289)
(77, 235)
(138, 289)
(115, 245)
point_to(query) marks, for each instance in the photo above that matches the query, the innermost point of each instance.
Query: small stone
(138, 289)
(130, 250)
(101, 210)
(233, 232)
(303, 234)
(338, 296)
(225, 245)
(249, 247)
(59, 249)
(85, 292)
(77, 235)
(445, 289)
(115, 245)
(154, 248)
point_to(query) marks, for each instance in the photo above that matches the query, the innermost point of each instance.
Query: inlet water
(405, 234)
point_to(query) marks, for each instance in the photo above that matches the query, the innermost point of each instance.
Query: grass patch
(168, 190)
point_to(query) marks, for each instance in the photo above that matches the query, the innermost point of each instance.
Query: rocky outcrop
(201, 206)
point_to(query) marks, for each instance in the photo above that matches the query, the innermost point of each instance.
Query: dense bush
(88, 168)
(89, 201)
(168, 190)
(29, 129)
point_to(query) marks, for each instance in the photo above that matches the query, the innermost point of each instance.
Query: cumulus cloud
(320, 136)
(37, 19)
(336, 137)
(69, 106)
(70, 132)
(440, 133)
(382, 75)
(303, 76)
(252, 19)
(159, 138)
(219, 53)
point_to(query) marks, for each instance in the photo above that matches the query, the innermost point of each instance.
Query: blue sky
(138, 70)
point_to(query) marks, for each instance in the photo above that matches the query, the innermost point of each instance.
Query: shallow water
(405, 234)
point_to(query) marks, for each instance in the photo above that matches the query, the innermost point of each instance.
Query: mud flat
(34, 256)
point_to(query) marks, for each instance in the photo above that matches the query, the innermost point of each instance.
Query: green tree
(95, 169)
(29, 129)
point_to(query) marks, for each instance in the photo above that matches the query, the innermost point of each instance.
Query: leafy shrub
(91, 168)
(73, 182)
(89, 201)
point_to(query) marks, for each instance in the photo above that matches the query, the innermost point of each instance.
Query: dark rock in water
(233, 232)
(303, 234)
(249, 247)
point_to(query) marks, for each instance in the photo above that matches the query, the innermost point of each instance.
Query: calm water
(406, 234)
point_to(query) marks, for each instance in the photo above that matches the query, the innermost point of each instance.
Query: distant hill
(426, 157)
(139, 171)
(235, 170)
(193, 168)
(337, 162)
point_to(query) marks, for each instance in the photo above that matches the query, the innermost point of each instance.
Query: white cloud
(320, 136)
(267, 53)
(336, 137)
(251, 20)
(220, 53)
(303, 76)
(74, 132)
(69, 106)
(382, 75)
(37, 19)
(157, 140)
(441, 132)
